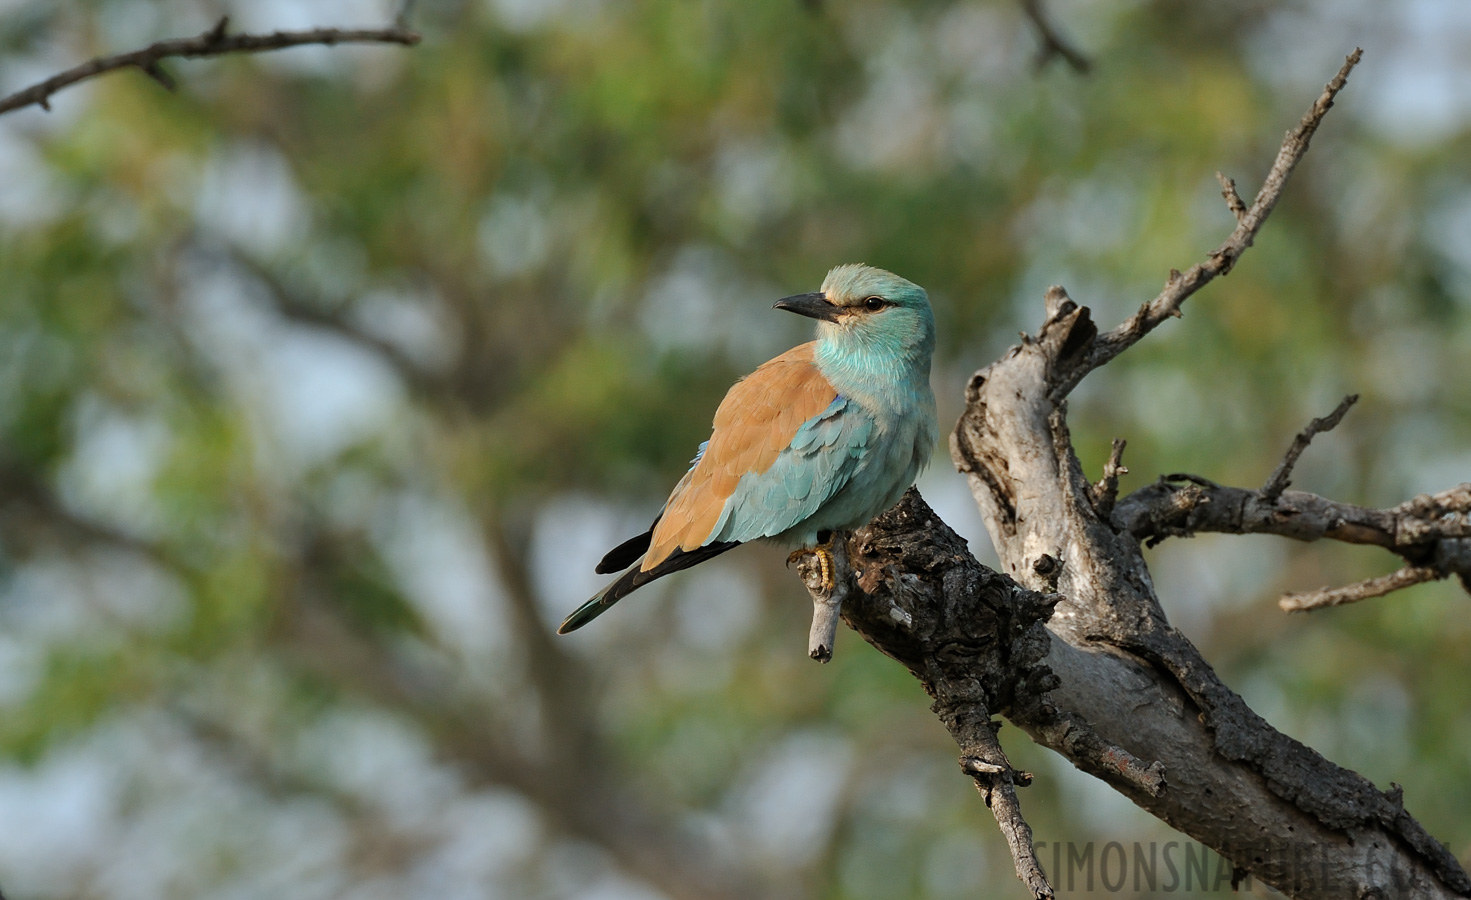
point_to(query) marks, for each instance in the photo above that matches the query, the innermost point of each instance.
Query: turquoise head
(867, 311)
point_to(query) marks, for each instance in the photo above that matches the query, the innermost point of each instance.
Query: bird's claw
(825, 565)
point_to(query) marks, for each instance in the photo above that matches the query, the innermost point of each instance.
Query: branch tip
(1363, 590)
(1057, 303)
(1281, 477)
(1219, 261)
(1233, 199)
(1106, 491)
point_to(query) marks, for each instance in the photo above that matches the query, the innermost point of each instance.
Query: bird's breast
(899, 446)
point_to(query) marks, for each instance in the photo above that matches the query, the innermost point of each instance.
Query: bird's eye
(874, 304)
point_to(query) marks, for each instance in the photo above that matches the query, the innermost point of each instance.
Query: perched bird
(821, 439)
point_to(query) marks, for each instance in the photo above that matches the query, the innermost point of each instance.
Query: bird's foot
(824, 554)
(826, 573)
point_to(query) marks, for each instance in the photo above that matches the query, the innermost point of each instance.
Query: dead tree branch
(976, 640)
(1179, 287)
(1431, 533)
(1363, 590)
(1114, 639)
(1106, 491)
(1424, 528)
(983, 760)
(1233, 199)
(1107, 681)
(215, 42)
(1282, 476)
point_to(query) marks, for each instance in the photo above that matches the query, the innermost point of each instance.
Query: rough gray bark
(1072, 644)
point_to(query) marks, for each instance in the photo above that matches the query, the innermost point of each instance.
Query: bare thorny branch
(217, 41)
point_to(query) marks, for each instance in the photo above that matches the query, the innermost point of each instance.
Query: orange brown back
(755, 422)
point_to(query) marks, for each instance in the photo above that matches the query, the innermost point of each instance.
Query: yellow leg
(824, 554)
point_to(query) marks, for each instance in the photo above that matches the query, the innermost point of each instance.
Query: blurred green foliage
(325, 380)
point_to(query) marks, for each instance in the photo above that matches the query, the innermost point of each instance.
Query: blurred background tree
(325, 381)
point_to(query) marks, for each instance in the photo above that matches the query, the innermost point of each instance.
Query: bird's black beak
(813, 306)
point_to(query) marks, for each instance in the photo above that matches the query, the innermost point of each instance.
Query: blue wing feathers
(823, 456)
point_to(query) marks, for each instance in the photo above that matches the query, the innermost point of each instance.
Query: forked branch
(1115, 660)
(1249, 220)
(1431, 533)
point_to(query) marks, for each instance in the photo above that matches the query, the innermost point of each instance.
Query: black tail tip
(583, 614)
(570, 624)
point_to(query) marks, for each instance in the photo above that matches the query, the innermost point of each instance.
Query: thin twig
(1233, 199)
(1000, 793)
(215, 42)
(1180, 286)
(1363, 590)
(1054, 46)
(982, 758)
(1281, 477)
(1106, 491)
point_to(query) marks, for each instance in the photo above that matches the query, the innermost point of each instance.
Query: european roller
(819, 440)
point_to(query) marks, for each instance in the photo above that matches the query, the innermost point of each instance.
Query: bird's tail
(599, 603)
(634, 579)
